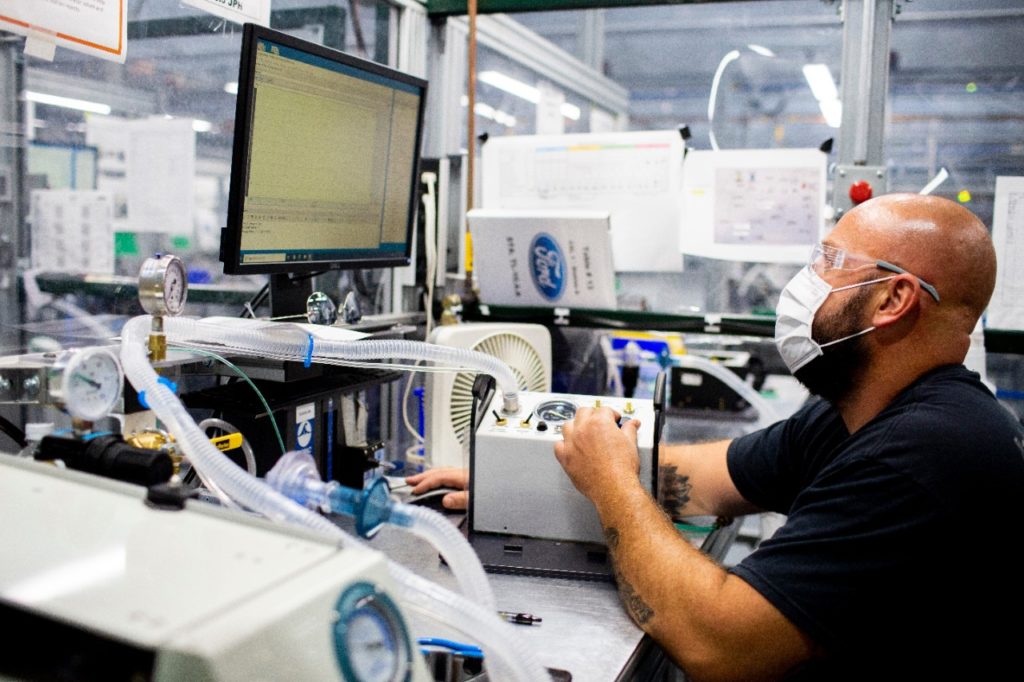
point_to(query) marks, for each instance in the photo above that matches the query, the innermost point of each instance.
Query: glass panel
(668, 58)
(957, 99)
(182, 64)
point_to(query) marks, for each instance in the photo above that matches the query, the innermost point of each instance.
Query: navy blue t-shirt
(893, 558)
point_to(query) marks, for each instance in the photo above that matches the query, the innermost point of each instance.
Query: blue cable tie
(96, 434)
(173, 387)
(309, 353)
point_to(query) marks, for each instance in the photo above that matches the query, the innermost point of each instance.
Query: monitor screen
(325, 159)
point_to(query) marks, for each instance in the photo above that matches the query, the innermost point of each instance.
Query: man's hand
(450, 477)
(597, 454)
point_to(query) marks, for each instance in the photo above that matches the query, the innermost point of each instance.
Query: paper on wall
(635, 176)
(160, 169)
(755, 205)
(239, 11)
(1006, 310)
(72, 231)
(95, 27)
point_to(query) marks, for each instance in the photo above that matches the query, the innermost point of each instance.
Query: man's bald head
(934, 238)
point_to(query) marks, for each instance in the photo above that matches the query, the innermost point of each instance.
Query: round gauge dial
(163, 285)
(91, 383)
(556, 411)
(370, 638)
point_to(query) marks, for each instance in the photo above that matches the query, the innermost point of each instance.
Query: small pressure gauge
(163, 285)
(556, 411)
(370, 638)
(88, 382)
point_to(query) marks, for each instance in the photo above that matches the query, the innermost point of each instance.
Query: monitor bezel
(231, 235)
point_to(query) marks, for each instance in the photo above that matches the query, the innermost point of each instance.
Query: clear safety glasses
(825, 258)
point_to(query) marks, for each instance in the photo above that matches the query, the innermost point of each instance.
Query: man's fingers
(435, 478)
(633, 425)
(456, 500)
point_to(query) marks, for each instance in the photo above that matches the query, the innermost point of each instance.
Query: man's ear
(899, 301)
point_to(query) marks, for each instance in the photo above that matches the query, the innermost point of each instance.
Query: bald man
(901, 487)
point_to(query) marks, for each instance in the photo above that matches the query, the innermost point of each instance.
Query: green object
(690, 528)
(180, 243)
(245, 377)
(125, 244)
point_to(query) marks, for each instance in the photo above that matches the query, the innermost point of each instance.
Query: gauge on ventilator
(88, 382)
(163, 285)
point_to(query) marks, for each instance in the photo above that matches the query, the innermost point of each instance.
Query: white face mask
(794, 317)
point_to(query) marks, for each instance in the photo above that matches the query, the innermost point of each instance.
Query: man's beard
(834, 374)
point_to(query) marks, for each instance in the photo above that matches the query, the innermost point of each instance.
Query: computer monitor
(325, 160)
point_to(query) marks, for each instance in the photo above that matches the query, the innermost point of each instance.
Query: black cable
(13, 432)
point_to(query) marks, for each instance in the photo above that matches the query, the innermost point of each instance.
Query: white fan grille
(513, 350)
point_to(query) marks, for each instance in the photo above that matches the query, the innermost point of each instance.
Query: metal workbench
(585, 630)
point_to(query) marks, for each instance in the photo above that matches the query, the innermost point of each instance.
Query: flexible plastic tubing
(507, 654)
(452, 545)
(250, 457)
(283, 341)
(766, 413)
(296, 476)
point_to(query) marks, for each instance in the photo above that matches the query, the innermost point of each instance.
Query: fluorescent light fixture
(939, 178)
(824, 89)
(201, 126)
(496, 115)
(68, 102)
(231, 88)
(761, 50)
(729, 57)
(522, 90)
(820, 79)
(510, 85)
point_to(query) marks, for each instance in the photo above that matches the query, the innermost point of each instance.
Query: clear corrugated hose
(508, 657)
(284, 341)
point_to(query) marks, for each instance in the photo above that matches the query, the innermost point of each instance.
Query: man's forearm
(710, 622)
(693, 480)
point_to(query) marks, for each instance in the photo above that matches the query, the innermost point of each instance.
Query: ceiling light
(231, 88)
(820, 79)
(939, 178)
(761, 50)
(68, 102)
(510, 85)
(824, 89)
(201, 126)
(571, 111)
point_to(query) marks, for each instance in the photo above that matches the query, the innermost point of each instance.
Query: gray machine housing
(525, 514)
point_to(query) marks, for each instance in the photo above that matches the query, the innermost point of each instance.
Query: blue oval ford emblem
(547, 266)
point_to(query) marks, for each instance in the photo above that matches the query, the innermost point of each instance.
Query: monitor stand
(288, 294)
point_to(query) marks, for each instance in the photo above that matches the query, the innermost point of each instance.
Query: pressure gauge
(163, 285)
(88, 382)
(370, 638)
(556, 411)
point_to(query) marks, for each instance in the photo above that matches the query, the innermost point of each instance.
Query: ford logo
(547, 266)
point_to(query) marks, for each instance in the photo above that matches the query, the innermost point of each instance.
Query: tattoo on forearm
(636, 607)
(673, 490)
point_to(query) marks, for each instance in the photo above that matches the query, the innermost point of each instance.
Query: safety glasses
(825, 258)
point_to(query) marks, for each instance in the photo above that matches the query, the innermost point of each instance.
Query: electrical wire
(245, 377)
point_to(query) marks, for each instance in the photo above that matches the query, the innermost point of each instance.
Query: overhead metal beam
(443, 8)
